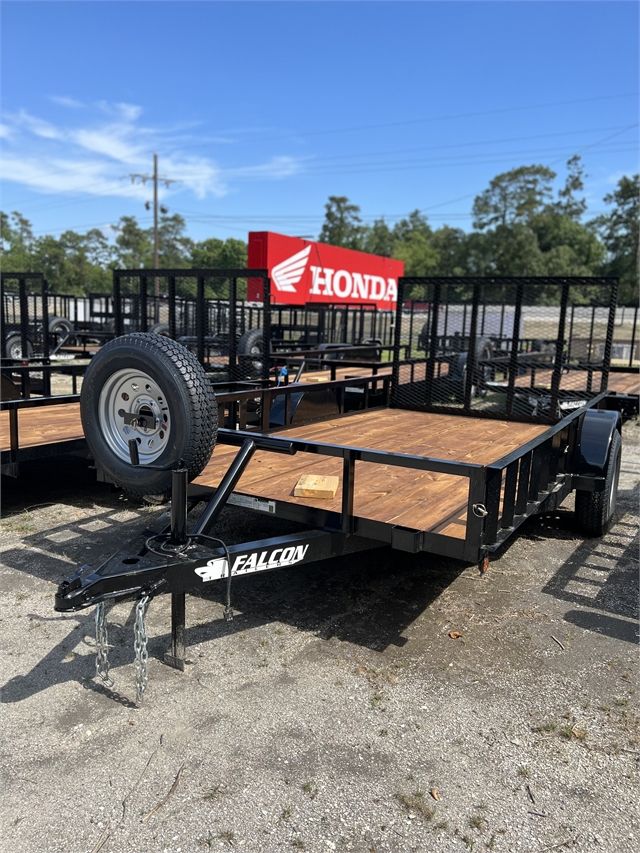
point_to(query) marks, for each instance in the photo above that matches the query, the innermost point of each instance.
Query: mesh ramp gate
(502, 347)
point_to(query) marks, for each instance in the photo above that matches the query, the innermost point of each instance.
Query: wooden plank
(316, 486)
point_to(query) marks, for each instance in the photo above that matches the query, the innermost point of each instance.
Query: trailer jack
(179, 562)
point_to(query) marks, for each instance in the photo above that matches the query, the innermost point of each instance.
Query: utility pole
(155, 179)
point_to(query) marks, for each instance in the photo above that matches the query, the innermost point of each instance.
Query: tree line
(520, 227)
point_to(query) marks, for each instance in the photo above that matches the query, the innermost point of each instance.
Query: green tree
(214, 253)
(568, 247)
(16, 243)
(342, 224)
(418, 253)
(513, 197)
(174, 246)
(133, 245)
(619, 231)
(568, 203)
(378, 239)
(450, 245)
(414, 224)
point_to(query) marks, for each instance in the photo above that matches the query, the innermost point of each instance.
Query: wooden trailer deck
(576, 380)
(420, 500)
(43, 425)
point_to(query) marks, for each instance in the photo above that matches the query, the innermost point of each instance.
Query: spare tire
(154, 377)
(251, 353)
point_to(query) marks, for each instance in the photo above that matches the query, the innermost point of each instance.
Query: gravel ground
(335, 712)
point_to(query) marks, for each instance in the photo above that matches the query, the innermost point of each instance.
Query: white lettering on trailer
(258, 561)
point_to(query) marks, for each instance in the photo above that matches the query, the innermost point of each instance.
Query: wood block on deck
(316, 486)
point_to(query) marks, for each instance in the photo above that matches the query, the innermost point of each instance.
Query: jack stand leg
(176, 654)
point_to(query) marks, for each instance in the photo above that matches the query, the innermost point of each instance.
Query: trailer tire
(13, 347)
(251, 353)
(484, 351)
(148, 374)
(595, 511)
(161, 329)
(60, 326)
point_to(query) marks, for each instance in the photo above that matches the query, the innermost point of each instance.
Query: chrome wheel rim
(134, 392)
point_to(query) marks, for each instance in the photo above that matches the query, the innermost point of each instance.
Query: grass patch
(216, 793)
(416, 803)
(544, 728)
(228, 836)
(572, 733)
(476, 821)
(523, 773)
(310, 790)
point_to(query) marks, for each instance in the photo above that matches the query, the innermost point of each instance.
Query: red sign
(302, 271)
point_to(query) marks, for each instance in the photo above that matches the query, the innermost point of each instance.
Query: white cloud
(37, 126)
(96, 157)
(66, 101)
(277, 167)
(67, 176)
(110, 141)
(125, 112)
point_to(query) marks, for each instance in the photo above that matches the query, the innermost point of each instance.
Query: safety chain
(102, 645)
(140, 648)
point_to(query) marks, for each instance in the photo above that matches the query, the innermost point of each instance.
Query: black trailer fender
(591, 453)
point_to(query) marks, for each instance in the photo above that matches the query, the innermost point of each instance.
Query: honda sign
(302, 271)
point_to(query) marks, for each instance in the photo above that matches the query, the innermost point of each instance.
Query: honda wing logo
(259, 561)
(288, 273)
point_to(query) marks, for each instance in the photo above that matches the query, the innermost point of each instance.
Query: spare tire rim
(134, 392)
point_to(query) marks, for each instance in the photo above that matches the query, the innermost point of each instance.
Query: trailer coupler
(195, 570)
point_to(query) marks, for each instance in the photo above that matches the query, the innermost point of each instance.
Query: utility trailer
(419, 474)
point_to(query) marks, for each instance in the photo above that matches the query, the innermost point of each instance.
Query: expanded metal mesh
(527, 348)
(206, 310)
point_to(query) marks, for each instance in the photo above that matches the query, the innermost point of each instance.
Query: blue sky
(262, 110)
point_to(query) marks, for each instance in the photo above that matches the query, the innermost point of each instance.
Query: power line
(449, 117)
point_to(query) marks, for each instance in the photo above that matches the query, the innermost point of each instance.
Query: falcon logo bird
(288, 273)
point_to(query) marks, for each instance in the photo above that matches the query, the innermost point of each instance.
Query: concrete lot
(335, 712)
